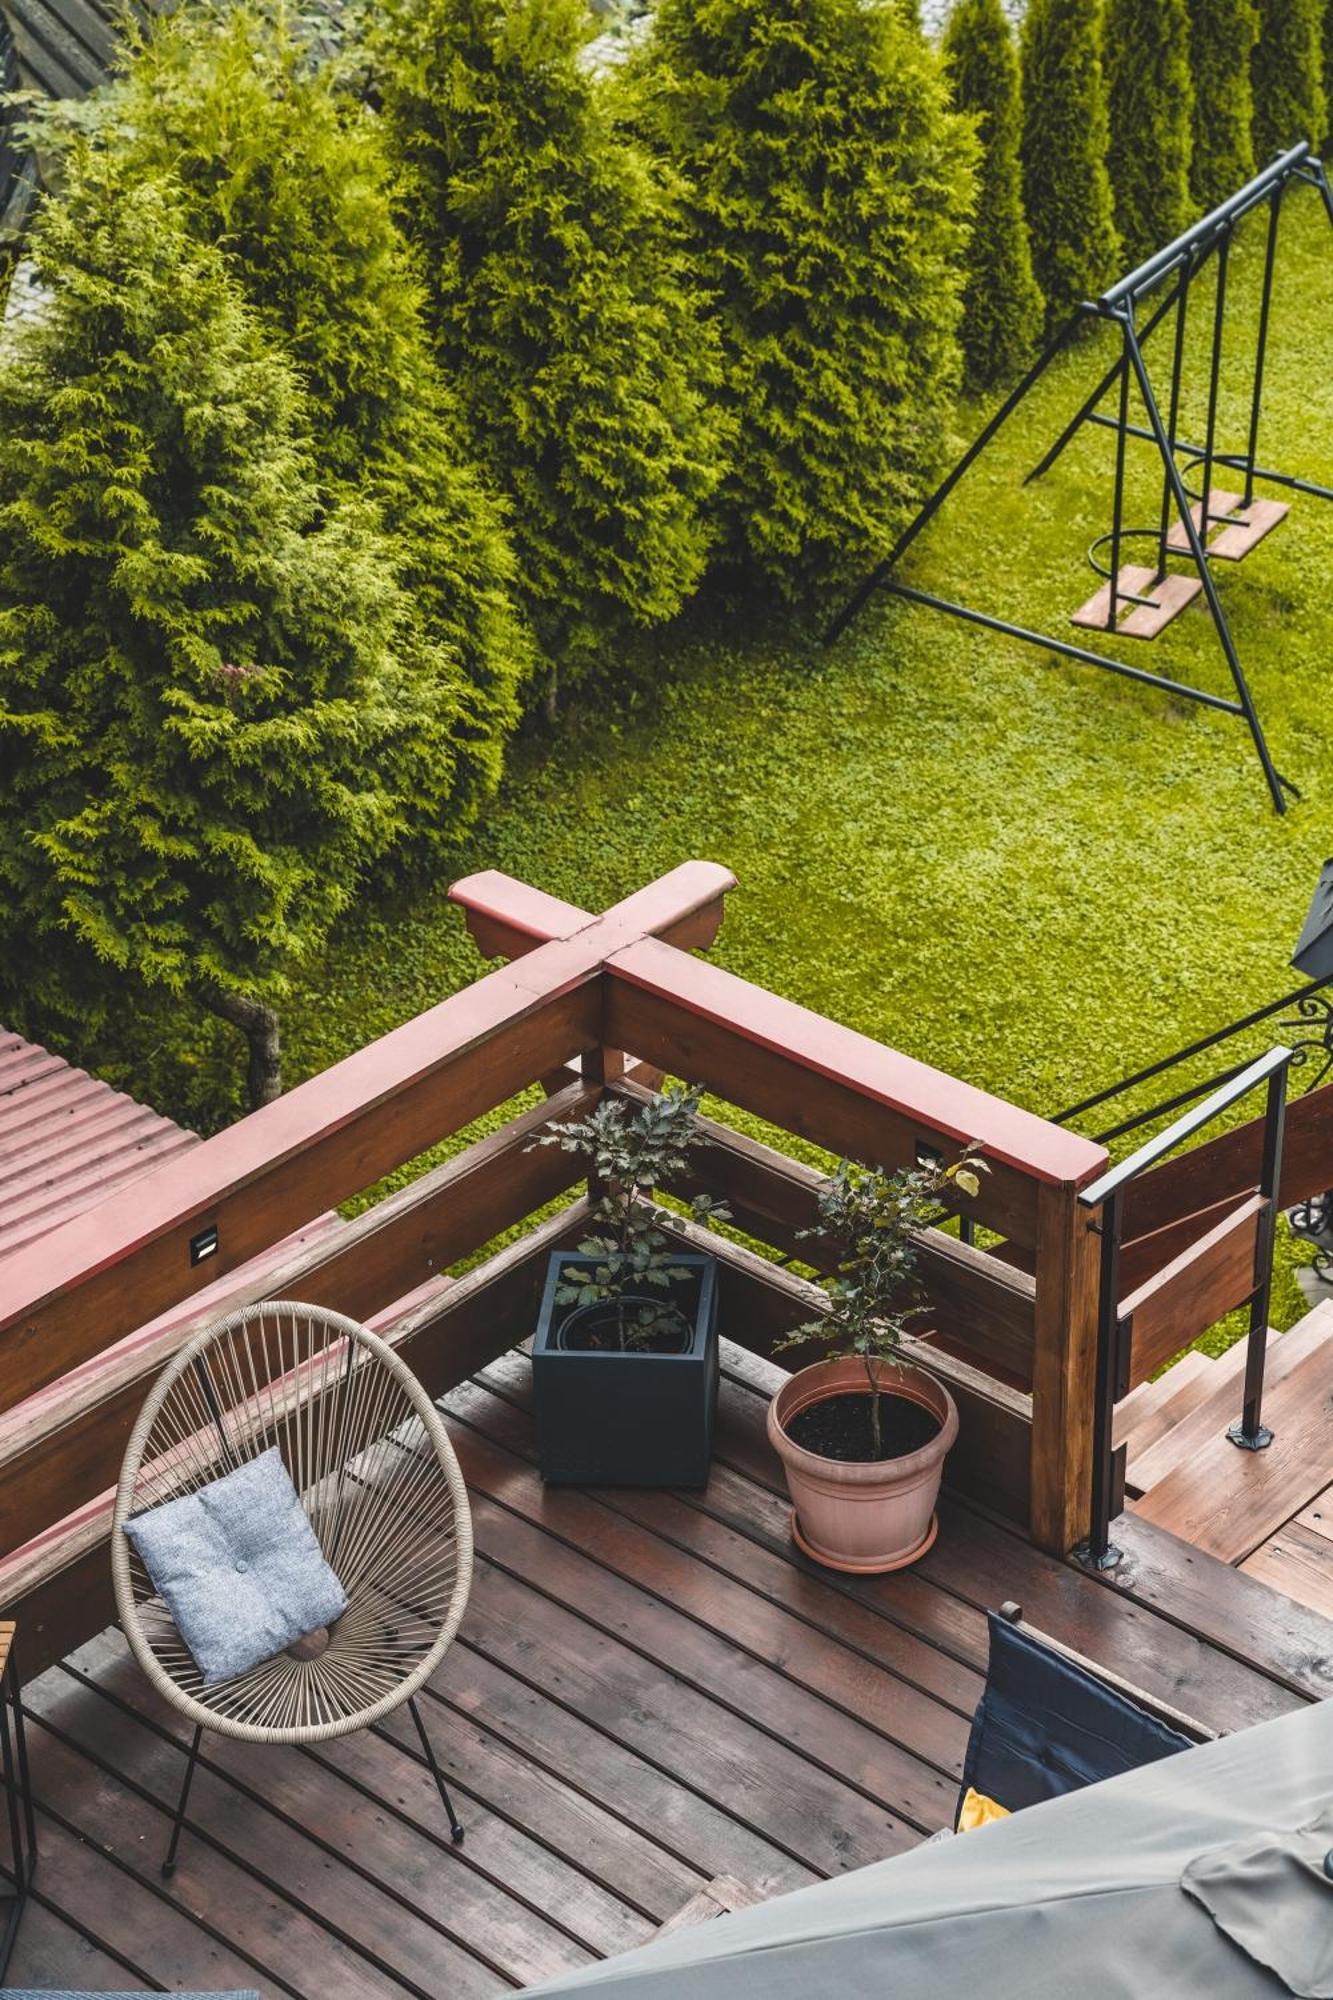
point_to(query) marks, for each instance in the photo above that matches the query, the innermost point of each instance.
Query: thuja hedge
(287, 175)
(1149, 94)
(1066, 188)
(827, 189)
(209, 721)
(561, 307)
(275, 566)
(1002, 303)
(1287, 74)
(1221, 40)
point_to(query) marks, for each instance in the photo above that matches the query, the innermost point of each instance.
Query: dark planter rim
(688, 1325)
(697, 1320)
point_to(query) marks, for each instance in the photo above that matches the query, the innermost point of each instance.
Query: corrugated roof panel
(67, 1140)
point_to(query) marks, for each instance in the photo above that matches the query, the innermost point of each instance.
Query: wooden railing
(588, 1003)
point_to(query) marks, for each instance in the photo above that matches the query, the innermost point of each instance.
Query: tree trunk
(258, 1022)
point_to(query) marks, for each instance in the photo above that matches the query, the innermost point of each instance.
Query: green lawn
(1024, 871)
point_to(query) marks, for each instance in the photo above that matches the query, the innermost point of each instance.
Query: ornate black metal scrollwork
(1312, 1050)
(1312, 1220)
(1314, 1011)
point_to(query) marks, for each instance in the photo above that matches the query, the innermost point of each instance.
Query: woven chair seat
(368, 1453)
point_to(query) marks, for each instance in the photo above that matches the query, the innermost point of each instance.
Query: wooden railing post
(1064, 1371)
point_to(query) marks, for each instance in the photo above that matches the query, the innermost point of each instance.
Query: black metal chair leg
(169, 1865)
(455, 1823)
(18, 1801)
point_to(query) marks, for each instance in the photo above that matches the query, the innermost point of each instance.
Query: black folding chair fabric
(1044, 1726)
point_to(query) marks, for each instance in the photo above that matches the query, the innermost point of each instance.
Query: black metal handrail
(1308, 1008)
(1113, 1346)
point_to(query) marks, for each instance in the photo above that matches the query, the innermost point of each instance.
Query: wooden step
(1237, 1613)
(1297, 1562)
(1220, 1380)
(1286, 1351)
(1150, 1411)
(1226, 1501)
(1318, 1516)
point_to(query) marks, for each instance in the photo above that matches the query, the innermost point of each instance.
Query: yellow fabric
(978, 1810)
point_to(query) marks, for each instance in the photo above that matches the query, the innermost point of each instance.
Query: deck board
(690, 1601)
(49, 1952)
(649, 1692)
(977, 1563)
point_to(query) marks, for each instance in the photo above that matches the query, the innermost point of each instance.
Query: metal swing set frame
(1176, 267)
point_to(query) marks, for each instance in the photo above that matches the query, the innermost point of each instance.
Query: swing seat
(1233, 530)
(1168, 598)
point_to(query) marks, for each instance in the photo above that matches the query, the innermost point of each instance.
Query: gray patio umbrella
(1314, 950)
(1202, 1874)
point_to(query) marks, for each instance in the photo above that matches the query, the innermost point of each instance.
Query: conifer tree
(1221, 40)
(560, 308)
(204, 720)
(287, 174)
(1002, 304)
(1150, 111)
(1287, 76)
(828, 190)
(1066, 189)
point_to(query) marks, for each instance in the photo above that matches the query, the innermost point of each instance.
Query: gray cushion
(238, 1567)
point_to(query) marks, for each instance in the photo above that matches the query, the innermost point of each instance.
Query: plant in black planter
(863, 1435)
(625, 1357)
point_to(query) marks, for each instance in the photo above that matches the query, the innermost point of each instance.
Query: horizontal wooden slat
(1227, 1502)
(979, 1308)
(839, 1089)
(1230, 1166)
(1193, 1291)
(335, 1135)
(60, 1584)
(758, 1303)
(68, 1604)
(109, 1270)
(1145, 1255)
(61, 1447)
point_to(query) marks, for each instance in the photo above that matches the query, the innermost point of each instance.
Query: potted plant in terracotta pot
(624, 1362)
(863, 1435)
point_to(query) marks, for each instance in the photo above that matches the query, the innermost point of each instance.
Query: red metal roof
(66, 1140)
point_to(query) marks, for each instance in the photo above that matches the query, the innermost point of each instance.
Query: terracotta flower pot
(867, 1515)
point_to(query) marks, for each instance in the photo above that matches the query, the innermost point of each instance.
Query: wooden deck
(1266, 1512)
(650, 1690)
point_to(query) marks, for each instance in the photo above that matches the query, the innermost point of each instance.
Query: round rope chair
(369, 1455)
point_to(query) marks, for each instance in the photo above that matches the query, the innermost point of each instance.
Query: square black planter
(635, 1419)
